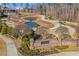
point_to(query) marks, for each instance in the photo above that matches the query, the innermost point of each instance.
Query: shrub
(29, 52)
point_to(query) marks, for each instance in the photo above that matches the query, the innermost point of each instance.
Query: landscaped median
(3, 50)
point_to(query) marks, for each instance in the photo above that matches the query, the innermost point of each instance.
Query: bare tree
(66, 12)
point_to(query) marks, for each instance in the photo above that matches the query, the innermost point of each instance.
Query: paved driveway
(11, 48)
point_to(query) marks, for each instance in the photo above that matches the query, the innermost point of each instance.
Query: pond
(30, 24)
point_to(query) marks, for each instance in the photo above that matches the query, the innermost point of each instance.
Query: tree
(15, 35)
(9, 29)
(24, 46)
(3, 30)
(26, 7)
(9, 18)
(40, 8)
(26, 42)
(0, 25)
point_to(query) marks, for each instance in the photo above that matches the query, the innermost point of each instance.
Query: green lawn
(66, 48)
(71, 49)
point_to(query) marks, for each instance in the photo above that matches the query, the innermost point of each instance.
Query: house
(48, 40)
(6, 9)
(45, 40)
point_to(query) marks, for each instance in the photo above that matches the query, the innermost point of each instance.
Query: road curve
(11, 48)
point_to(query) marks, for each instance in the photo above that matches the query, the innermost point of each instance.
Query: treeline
(64, 11)
(57, 11)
